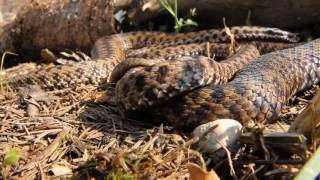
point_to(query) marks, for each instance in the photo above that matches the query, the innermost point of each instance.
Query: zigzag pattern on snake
(256, 93)
(195, 105)
(111, 50)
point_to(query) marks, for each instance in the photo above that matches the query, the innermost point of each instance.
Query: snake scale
(167, 76)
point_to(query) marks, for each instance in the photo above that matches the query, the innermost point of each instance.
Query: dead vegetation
(72, 136)
(86, 138)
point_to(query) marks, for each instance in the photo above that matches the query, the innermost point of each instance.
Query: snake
(169, 75)
(256, 92)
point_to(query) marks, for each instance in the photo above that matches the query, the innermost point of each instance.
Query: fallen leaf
(58, 170)
(198, 173)
(103, 97)
(48, 56)
(308, 119)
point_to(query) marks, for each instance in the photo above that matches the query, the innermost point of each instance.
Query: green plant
(119, 174)
(180, 23)
(12, 157)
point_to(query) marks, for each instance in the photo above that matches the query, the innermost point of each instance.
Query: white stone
(226, 133)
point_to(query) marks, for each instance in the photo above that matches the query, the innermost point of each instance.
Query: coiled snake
(166, 76)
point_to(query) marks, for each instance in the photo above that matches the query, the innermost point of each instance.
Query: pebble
(225, 133)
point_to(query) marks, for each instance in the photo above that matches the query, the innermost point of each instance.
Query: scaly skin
(256, 93)
(111, 50)
(149, 86)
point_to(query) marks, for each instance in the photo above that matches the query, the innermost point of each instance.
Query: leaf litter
(72, 135)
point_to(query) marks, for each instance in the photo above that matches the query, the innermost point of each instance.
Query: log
(58, 25)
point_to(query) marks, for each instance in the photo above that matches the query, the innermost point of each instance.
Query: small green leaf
(193, 12)
(12, 157)
(180, 22)
(172, 7)
(190, 22)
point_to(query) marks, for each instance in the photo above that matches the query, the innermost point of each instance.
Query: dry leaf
(60, 170)
(197, 173)
(309, 118)
(48, 56)
(103, 97)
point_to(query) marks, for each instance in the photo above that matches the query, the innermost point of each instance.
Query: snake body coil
(192, 85)
(111, 50)
(256, 93)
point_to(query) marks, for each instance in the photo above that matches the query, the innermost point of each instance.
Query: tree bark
(58, 24)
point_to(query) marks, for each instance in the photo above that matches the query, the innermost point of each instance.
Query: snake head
(145, 87)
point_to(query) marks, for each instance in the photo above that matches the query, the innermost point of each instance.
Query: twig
(232, 171)
(47, 152)
(264, 148)
(253, 171)
(42, 176)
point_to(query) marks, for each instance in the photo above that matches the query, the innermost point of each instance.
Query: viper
(174, 77)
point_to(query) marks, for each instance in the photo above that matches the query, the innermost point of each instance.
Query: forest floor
(74, 136)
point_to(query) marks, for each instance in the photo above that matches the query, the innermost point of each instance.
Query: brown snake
(185, 91)
(256, 92)
(111, 50)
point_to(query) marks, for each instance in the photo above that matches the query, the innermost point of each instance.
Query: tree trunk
(58, 24)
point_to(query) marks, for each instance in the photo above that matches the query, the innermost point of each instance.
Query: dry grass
(72, 136)
(78, 134)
